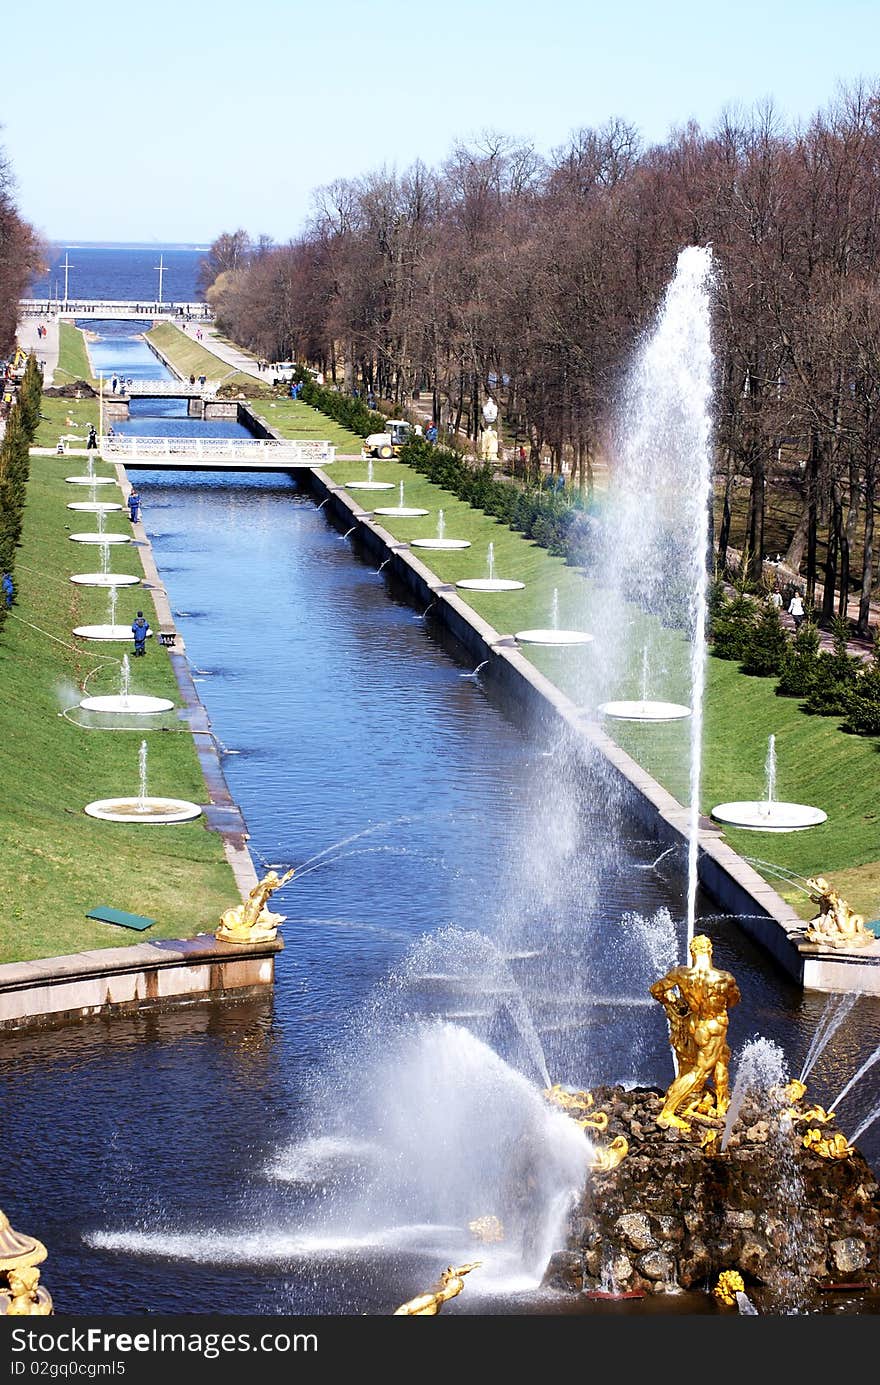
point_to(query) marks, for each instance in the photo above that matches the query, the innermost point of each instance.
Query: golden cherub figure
(730, 1282)
(836, 924)
(25, 1295)
(251, 921)
(696, 1000)
(450, 1283)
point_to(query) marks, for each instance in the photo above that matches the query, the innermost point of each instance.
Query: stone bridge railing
(267, 453)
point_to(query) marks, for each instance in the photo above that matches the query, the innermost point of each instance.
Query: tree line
(22, 422)
(21, 255)
(532, 279)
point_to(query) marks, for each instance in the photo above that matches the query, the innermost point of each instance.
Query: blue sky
(173, 121)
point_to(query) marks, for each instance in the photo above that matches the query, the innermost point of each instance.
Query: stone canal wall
(739, 890)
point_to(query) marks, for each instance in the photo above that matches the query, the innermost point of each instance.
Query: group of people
(795, 607)
(119, 382)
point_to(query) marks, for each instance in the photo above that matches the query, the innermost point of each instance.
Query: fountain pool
(768, 814)
(143, 807)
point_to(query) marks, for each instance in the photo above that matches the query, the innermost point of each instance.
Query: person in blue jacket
(139, 628)
(134, 505)
(8, 588)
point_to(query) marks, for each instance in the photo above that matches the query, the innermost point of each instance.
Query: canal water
(319, 1151)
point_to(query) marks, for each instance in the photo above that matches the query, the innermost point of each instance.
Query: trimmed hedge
(558, 522)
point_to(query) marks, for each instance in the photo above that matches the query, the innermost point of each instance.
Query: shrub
(766, 645)
(733, 627)
(798, 666)
(862, 703)
(835, 675)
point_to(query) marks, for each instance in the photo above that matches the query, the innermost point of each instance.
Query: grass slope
(190, 358)
(57, 862)
(73, 360)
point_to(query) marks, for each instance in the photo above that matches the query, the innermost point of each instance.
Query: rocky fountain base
(673, 1215)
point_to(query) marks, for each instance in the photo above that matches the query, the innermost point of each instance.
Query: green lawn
(190, 358)
(57, 862)
(66, 418)
(293, 419)
(73, 360)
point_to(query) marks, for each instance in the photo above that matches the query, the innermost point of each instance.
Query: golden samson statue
(696, 999)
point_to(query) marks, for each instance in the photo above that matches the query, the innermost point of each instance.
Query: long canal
(446, 946)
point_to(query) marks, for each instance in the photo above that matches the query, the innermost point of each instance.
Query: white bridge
(114, 307)
(165, 389)
(216, 454)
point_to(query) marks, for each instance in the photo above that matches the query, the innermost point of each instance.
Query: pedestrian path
(44, 348)
(211, 340)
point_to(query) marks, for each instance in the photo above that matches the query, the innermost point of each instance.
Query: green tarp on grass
(119, 916)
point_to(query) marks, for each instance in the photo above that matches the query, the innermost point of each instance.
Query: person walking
(8, 588)
(796, 610)
(92, 442)
(140, 630)
(134, 505)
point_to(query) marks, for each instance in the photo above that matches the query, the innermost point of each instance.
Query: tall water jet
(653, 545)
(142, 778)
(770, 773)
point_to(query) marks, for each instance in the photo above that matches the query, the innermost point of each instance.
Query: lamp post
(67, 268)
(489, 449)
(161, 268)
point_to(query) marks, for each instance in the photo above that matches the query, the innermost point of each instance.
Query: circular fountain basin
(91, 480)
(105, 579)
(369, 485)
(139, 810)
(558, 637)
(401, 511)
(645, 711)
(490, 584)
(135, 703)
(769, 817)
(105, 632)
(441, 543)
(96, 507)
(100, 538)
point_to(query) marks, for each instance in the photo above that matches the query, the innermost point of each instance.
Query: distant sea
(111, 270)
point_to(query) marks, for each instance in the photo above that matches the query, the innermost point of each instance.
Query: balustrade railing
(255, 451)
